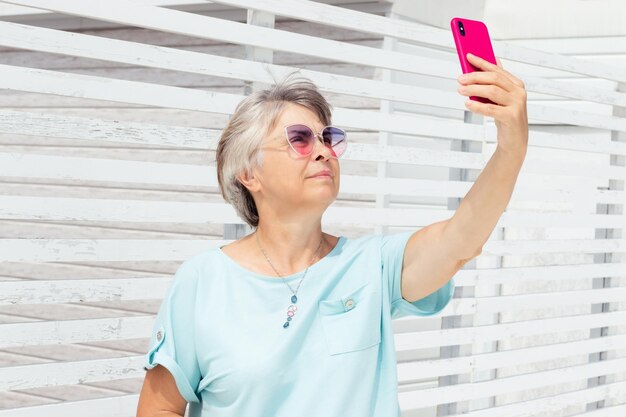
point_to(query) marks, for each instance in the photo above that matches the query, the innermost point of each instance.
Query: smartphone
(472, 36)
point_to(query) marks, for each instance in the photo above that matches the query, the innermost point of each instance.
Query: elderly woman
(290, 320)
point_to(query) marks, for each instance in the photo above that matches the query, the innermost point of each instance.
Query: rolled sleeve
(392, 256)
(172, 342)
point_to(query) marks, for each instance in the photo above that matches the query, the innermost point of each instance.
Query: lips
(322, 173)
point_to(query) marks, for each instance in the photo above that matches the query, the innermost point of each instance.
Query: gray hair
(239, 147)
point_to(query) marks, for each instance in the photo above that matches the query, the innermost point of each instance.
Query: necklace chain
(291, 311)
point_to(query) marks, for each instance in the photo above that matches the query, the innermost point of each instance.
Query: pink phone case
(475, 40)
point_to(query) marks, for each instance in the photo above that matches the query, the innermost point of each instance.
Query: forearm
(158, 414)
(479, 211)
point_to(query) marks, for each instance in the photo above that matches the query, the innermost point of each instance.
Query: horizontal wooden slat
(55, 374)
(90, 330)
(134, 92)
(87, 46)
(410, 400)
(552, 403)
(544, 273)
(568, 141)
(240, 33)
(406, 30)
(590, 47)
(549, 299)
(66, 373)
(98, 250)
(101, 88)
(458, 306)
(118, 406)
(138, 288)
(50, 125)
(74, 331)
(49, 208)
(610, 411)
(55, 126)
(459, 336)
(204, 26)
(65, 168)
(59, 169)
(13, 11)
(13, 164)
(82, 290)
(480, 362)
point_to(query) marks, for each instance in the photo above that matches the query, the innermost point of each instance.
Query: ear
(250, 182)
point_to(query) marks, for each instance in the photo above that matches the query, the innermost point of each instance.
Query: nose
(326, 149)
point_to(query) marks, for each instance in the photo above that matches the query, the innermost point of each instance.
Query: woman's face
(284, 184)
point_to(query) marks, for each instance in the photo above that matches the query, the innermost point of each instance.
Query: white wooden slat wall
(110, 113)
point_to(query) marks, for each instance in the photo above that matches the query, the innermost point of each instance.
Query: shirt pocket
(351, 322)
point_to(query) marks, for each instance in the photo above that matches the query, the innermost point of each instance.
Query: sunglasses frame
(317, 135)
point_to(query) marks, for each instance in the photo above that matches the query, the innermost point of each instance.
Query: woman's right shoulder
(201, 263)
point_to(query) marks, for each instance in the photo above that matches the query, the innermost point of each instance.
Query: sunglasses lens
(302, 139)
(335, 138)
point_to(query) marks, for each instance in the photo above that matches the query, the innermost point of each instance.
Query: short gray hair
(239, 147)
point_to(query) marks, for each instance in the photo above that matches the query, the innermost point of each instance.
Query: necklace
(291, 310)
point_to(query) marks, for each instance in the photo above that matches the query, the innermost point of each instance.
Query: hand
(509, 94)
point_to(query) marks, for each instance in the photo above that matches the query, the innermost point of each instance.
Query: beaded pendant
(291, 311)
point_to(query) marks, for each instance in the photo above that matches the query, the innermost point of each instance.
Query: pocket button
(349, 304)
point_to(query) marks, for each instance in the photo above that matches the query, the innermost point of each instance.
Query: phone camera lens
(461, 28)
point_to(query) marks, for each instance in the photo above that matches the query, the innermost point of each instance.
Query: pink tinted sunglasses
(301, 138)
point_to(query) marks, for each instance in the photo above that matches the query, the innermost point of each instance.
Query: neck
(293, 254)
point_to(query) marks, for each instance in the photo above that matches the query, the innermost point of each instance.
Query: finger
(513, 78)
(487, 77)
(483, 63)
(492, 92)
(486, 109)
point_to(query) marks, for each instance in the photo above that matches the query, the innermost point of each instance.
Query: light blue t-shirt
(219, 331)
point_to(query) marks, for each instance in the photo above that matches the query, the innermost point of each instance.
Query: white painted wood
(56, 374)
(9, 10)
(119, 406)
(235, 32)
(30, 208)
(432, 396)
(66, 373)
(100, 109)
(82, 290)
(553, 403)
(154, 17)
(141, 172)
(407, 341)
(308, 10)
(53, 82)
(485, 361)
(92, 129)
(50, 125)
(74, 331)
(13, 35)
(97, 47)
